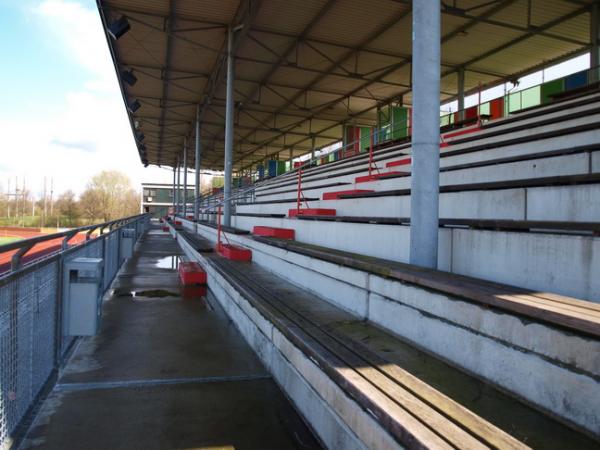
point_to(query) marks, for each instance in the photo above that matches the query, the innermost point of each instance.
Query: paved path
(167, 371)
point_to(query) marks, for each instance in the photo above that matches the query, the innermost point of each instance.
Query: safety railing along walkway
(32, 293)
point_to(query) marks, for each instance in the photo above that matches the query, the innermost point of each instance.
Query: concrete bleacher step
(565, 180)
(304, 188)
(489, 224)
(232, 230)
(418, 400)
(555, 112)
(402, 412)
(199, 243)
(577, 315)
(281, 200)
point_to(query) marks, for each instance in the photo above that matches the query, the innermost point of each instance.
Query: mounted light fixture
(140, 137)
(134, 105)
(119, 27)
(128, 77)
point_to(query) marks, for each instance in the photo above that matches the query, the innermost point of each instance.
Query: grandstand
(397, 277)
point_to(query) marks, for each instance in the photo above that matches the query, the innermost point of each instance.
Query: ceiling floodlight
(134, 105)
(139, 137)
(128, 77)
(119, 27)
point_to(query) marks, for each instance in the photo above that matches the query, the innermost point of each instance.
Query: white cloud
(90, 131)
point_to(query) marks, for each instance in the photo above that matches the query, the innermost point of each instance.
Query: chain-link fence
(32, 344)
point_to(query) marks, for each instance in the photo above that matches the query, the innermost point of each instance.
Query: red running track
(38, 251)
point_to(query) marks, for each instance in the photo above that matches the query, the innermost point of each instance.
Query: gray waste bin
(83, 300)
(127, 242)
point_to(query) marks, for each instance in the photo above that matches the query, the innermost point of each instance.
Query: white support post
(424, 211)
(185, 165)
(461, 92)
(178, 191)
(197, 165)
(595, 41)
(228, 132)
(174, 189)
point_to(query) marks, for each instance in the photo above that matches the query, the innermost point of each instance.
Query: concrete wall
(575, 203)
(559, 263)
(554, 370)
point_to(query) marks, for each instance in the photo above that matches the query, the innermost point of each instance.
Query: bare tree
(68, 207)
(109, 195)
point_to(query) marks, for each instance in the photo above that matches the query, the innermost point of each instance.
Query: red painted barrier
(311, 212)
(336, 194)
(191, 273)
(234, 252)
(281, 233)
(375, 177)
(400, 162)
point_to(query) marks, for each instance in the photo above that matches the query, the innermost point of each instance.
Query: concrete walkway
(167, 371)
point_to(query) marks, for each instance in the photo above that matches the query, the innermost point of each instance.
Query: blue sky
(61, 113)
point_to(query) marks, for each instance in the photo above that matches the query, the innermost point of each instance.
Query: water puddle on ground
(187, 293)
(154, 293)
(168, 262)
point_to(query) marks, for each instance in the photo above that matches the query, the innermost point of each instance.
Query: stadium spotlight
(119, 27)
(134, 105)
(128, 77)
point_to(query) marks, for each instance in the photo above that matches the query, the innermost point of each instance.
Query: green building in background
(157, 198)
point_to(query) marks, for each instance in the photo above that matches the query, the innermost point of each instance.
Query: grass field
(7, 239)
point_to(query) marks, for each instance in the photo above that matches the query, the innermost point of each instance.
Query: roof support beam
(515, 41)
(243, 18)
(446, 38)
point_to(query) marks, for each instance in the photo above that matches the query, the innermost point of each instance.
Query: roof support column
(228, 132)
(197, 165)
(178, 191)
(424, 210)
(185, 165)
(461, 92)
(174, 189)
(595, 39)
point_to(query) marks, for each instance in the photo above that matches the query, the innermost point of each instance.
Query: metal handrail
(24, 245)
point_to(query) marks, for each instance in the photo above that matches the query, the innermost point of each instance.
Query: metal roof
(305, 67)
